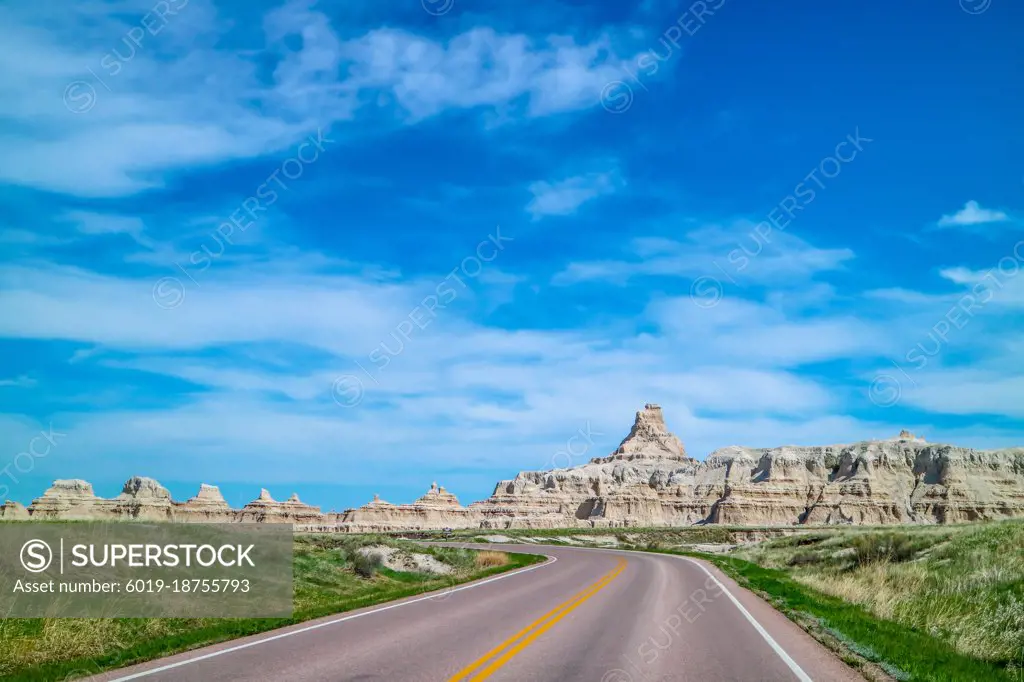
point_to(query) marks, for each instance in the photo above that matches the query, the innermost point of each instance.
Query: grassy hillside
(962, 585)
(330, 576)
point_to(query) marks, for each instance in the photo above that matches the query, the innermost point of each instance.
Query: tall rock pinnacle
(650, 438)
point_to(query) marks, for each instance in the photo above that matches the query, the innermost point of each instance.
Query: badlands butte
(648, 481)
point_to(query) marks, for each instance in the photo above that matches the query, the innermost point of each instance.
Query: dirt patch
(609, 540)
(401, 560)
(712, 549)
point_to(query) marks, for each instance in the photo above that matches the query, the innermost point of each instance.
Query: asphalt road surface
(585, 615)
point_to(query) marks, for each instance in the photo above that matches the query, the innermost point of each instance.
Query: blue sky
(347, 247)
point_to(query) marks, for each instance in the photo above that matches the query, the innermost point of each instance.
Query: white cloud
(183, 100)
(482, 68)
(340, 313)
(15, 237)
(565, 196)
(94, 224)
(457, 381)
(176, 102)
(1002, 285)
(735, 251)
(968, 391)
(972, 214)
(725, 375)
(750, 334)
(19, 382)
(910, 297)
(357, 448)
(263, 343)
(281, 444)
(91, 223)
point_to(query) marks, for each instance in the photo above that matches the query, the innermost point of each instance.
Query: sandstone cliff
(265, 509)
(437, 509)
(649, 480)
(13, 511)
(66, 499)
(144, 499)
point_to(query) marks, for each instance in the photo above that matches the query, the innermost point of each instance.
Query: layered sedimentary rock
(145, 499)
(141, 498)
(66, 499)
(437, 509)
(13, 511)
(900, 480)
(208, 506)
(266, 509)
(649, 480)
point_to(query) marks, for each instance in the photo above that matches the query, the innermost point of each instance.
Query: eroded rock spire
(650, 438)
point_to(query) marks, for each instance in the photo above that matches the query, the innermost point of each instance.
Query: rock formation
(141, 498)
(66, 499)
(436, 509)
(208, 506)
(907, 435)
(13, 511)
(265, 509)
(649, 480)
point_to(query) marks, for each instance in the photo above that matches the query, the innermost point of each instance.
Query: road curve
(589, 615)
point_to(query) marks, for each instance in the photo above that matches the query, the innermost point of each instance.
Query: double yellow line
(485, 666)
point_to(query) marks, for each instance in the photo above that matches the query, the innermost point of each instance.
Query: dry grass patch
(490, 559)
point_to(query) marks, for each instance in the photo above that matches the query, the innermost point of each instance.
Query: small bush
(456, 557)
(804, 540)
(894, 548)
(366, 565)
(803, 559)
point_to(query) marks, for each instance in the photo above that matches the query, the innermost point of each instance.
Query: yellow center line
(575, 600)
(511, 640)
(533, 630)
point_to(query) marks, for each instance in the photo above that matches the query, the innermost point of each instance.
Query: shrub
(803, 559)
(804, 540)
(894, 548)
(456, 557)
(366, 565)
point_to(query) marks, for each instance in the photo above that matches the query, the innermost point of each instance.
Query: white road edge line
(797, 670)
(264, 640)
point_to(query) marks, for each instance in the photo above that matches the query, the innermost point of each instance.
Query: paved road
(586, 615)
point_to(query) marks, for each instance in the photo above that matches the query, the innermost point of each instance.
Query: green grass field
(329, 577)
(960, 587)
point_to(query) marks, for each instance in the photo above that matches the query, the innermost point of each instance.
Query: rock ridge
(649, 480)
